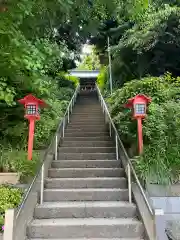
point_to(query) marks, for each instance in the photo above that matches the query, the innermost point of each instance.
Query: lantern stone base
(9, 178)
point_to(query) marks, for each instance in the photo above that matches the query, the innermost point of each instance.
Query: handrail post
(56, 147)
(42, 185)
(68, 115)
(117, 153)
(63, 127)
(110, 129)
(9, 224)
(103, 107)
(160, 224)
(129, 183)
(71, 106)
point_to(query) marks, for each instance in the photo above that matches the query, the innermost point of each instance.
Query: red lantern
(32, 113)
(139, 106)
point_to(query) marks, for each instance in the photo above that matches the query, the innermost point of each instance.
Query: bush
(9, 198)
(160, 162)
(157, 88)
(15, 160)
(50, 118)
(102, 78)
(67, 81)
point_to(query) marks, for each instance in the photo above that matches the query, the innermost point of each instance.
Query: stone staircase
(86, 195)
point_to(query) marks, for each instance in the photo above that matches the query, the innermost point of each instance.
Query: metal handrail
(54, 139)
(129, 163)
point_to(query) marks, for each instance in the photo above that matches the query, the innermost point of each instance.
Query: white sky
(86, 49)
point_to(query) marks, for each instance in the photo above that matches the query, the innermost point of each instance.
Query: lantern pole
(31, 138)
(110, 67)
(140, 135)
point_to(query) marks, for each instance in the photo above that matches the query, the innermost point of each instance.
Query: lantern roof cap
(30, 98)
(142, 96)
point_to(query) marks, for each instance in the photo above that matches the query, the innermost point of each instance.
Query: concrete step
(85, 227)
(85, 172)
(86, 149)
(70, 183)
(86, 130)
(87, 117)
(90, 194)
(87, 139)
(86, 164)
(98, 120)
(92, 112)
(85, 210)
(86, 134)
(88, 239)
(87, 143)
(87, 156)
(89, 128)
(87, 122)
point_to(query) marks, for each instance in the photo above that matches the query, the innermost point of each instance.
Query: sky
(86, 49)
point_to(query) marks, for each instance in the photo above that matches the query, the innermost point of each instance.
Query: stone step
(85, 227)
(87, 156)
(93, 111)
(87, 139)
(85, 134)
(88, 239)
(98, 116)
(87, 143)
(86, 164)
(85, 210)
(86, 149)
(90, 194)
(70, 183)
(87, 116)
(85, 172)
(89, 128)
(87, 122)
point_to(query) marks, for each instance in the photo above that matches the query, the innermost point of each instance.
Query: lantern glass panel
(31, 109)
(140, 108)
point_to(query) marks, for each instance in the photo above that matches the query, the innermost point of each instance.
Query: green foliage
(46, 127)
(65, 80)
(15, 160)
(90, 61)
(144, 39)
(154, 87)
(160, 161)
(102, 79)
(9, 198)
